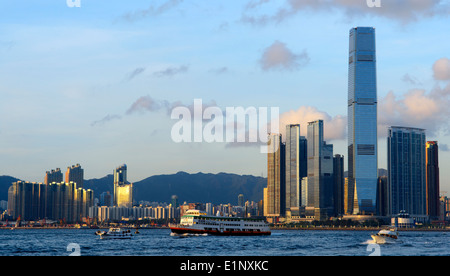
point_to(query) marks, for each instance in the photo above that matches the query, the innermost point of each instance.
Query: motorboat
(386, 235)
(114, 233)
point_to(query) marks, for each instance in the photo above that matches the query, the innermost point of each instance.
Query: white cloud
(441, 69)
(279, 57)
(335, 128)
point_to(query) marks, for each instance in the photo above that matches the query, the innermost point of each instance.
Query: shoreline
(271, 228)
(359, 229)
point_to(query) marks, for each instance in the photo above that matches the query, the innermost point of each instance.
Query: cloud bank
(404, 12)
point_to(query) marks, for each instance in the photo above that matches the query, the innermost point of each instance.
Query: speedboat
(115, 233)
(386, 235)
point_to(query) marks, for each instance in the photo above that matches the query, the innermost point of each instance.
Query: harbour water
(159, 242)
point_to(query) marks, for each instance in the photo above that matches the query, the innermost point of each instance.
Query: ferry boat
(197, 222)
(388, 234)
(114, 233)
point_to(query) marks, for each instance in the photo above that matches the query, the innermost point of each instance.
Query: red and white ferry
(197, 222)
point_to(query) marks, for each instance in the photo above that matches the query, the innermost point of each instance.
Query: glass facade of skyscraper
(292, 166)
(123, 191)
(275, 192)
(406, 167)
(362, 119)
(320, 172)
(432, 174)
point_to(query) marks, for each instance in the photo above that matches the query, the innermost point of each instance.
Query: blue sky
(70, 77)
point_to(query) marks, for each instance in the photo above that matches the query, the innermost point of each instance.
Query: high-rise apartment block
(362, 119)
(53, 176)
(75, 174)
(57, 201)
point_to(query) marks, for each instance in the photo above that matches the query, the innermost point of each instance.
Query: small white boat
(386, 235)
(114, 233)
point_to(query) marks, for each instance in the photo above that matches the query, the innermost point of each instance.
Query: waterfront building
(382, 196)
(123, 190)
(362, 120)
(58, 201)
(320, 172)
(432, 179)
(75, 174)
(406, 171)
(338, 187)
(276, 182)
(292, 166)
(346, 198)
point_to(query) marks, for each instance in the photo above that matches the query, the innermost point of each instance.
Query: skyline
(92, 85)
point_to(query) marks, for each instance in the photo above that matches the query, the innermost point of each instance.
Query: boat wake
(186, 235)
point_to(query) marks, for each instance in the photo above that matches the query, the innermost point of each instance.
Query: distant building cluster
(306, 181)
(66, 202)
(55, 201)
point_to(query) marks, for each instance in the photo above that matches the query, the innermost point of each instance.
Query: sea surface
(160, 242)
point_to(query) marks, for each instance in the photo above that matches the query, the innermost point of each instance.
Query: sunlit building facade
(406, 171)
(58, 201)
(274, 203)
(123, 190)
(75, 174)
(362, 120)
(320, 172)
(292, 168)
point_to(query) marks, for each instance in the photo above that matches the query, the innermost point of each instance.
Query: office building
(382, 196)
(274, 204)
(123, 190)
(292, 168)
(362, 120)
(320, 172)
(75, 174)
(432, 179)
(338, 187)
(406, 171)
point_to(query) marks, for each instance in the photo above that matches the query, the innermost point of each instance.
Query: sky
(96, 84)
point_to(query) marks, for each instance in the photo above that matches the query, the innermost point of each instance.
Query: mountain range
(192, 188)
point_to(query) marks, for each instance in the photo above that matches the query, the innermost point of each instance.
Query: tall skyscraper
(338, 180)
(75, 174)
(406, 171)
(123, 190)
(362, 119)
(432, 179)
(320, 172)
(292, 168)
(274, 204)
